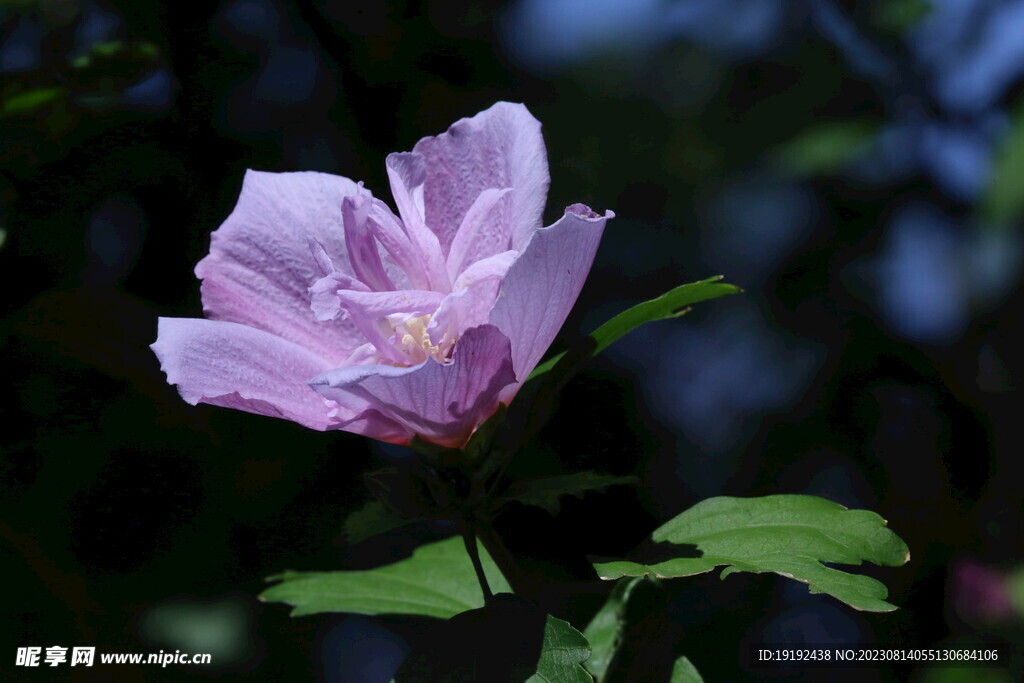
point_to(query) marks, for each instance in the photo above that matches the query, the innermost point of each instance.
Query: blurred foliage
(825, 148)
(1003, 202)
(897, 16)
(782, 143)
(30, 101)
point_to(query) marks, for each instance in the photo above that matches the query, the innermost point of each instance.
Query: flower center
(413, 340)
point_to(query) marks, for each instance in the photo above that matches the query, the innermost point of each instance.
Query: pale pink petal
(380, 304)
(499, 147)
(542, 285)
(235, 366)
(462, 309)
(442, 403)
(473, 298)
(390, 233)
(481, 233)
(323, 295)
(322, 259)
(490, 268)
(362, 247)
(406, 173)
(260, 265)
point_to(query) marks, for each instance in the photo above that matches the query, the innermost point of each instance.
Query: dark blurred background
(857, 167)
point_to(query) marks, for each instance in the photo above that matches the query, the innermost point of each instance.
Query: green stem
(469, 538)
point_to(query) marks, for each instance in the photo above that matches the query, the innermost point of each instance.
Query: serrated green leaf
(437, 581)
(683, 671)
(370, 520)
(825, 147)
(30, 101)
(561, 659)
(1003, 201)
(790, 535)
(544, 492)
(671, 304)
(604, 632)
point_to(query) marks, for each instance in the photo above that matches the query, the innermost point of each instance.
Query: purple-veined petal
(499, 147)
(373, 424)
(481, 233)
(406, 173)
(362, 247)
(236, 366)
(442, 403)
(260, 265)
(542, 285)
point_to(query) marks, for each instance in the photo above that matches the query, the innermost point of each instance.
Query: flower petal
(260, 264)
(235, 366)
(373, 424)
(407, 173)
(323, 295)
(500, 147)
(473, 298)
(388, 230)
(362, 247)
(481, 233)
(542, 285)
(442, 403)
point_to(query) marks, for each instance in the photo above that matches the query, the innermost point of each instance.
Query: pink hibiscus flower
(327, 309)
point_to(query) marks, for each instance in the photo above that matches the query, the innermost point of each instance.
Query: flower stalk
(469, 538)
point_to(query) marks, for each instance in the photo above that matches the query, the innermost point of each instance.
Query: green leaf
(30, 101)
(671, 304)
(437, 581)
(370, 520)
(562, 656)
(683, 671)
(1003, 201)
(790, 535)
(544, 492)
(825, 147)
(604, 632)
